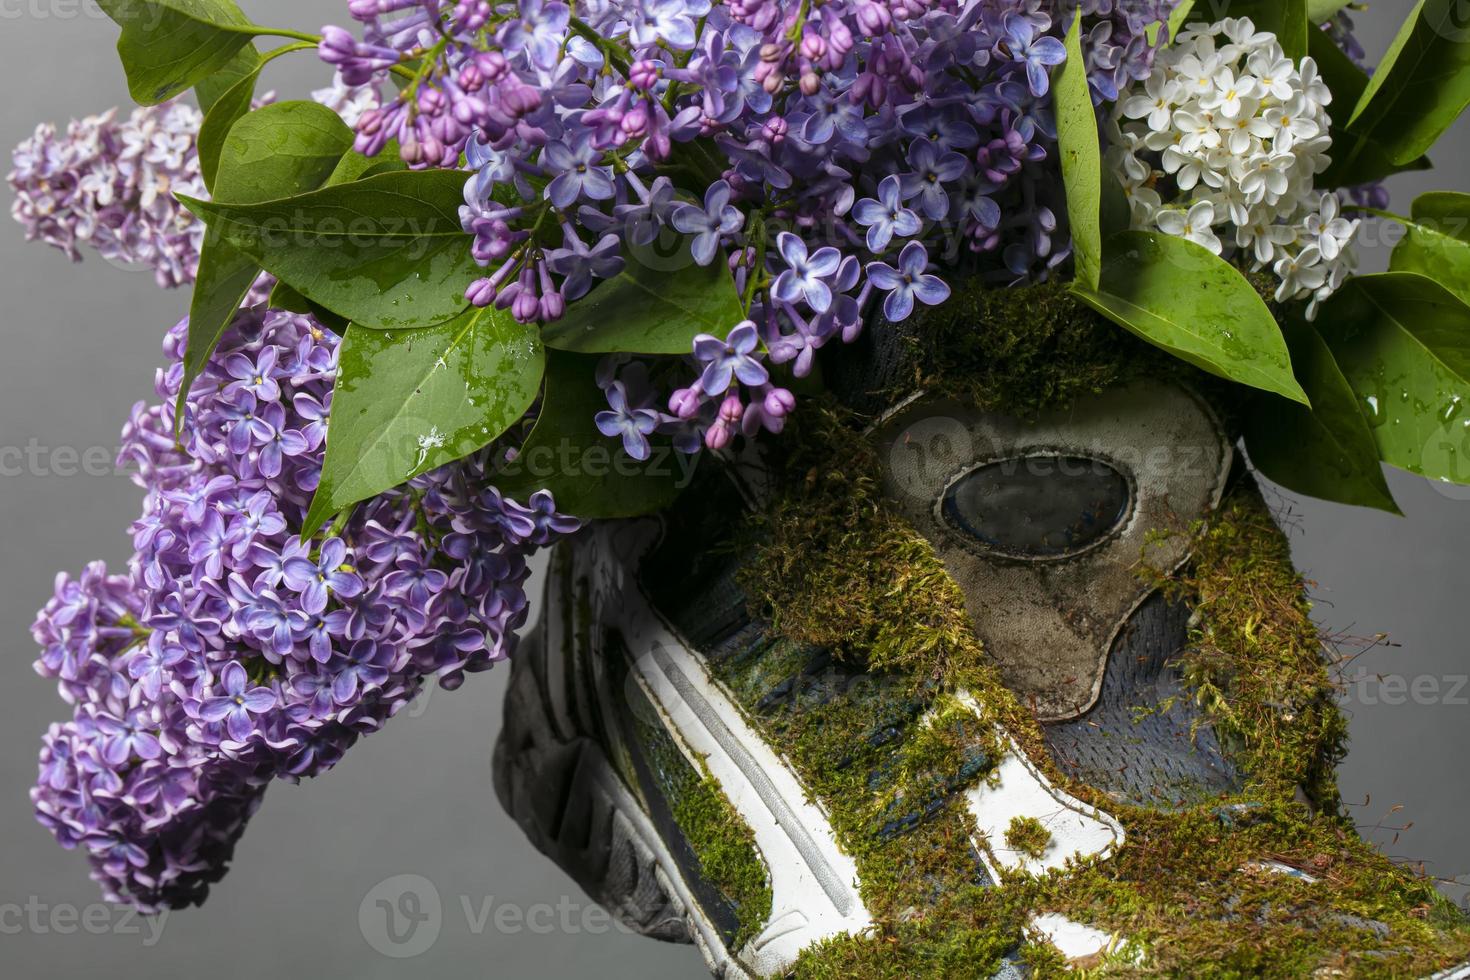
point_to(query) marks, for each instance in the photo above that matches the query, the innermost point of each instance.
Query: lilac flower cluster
(232, 651)
(110, 184)
(824, 150)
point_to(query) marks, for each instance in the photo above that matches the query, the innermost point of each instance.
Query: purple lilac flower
(633, 425)
(804, 277)
(910, 281)
(711, 223)
(578, 174)
(109, 184)
(317, 579)
(578, 265)
(1037, 53)
(237, 704)
(231, 652)
(886, 216)
(539, 32)
(728, 359)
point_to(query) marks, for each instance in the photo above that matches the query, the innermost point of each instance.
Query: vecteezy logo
(400, 917)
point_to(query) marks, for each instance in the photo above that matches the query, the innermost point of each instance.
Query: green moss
(727, 853)
(1028, 836)
(1025, 350)
(1255, 659)
(720, 839)
(833, 568)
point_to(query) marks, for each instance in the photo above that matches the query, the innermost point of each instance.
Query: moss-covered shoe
(977, 696)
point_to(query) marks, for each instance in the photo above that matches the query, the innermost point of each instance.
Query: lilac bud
(519, 97)
(431, 101)
(643, 75)
(370, 123)
(873, 17)
(493, 64)
(811, 83)
(552, 307)
(839, 42)
(471, 77)
(732, 408)
(685, 402)
(481, 293)
(552, 304)
(779, 403)
(813, 46)
(635, 122)
(526, 303)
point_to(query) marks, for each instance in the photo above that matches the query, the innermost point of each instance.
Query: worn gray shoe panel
(1127, 744)
(1043, 522)
(581, 783)
(563, 794)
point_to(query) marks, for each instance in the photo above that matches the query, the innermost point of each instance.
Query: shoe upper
(973, 696)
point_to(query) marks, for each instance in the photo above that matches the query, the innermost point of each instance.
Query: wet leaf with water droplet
(1437, 241)
(1327, 450)
(1403, 343)
(384, 251)
(411, 402)
(646, 310)
(1179, 296)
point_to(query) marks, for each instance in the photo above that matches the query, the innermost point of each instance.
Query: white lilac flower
(1194, 224)
(1228, 131)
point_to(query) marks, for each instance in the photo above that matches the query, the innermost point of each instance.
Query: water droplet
(1375, 413)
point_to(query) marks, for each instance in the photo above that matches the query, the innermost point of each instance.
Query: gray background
(80, 345)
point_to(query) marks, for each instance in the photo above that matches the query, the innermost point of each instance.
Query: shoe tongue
(876, 371)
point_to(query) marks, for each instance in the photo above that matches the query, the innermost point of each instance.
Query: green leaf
(1116, 212)
(1325, 451)
(1287, 19)
(281, 149)
(1422, 85)
(1179, 296)
(1403, 342)
(386, 252)
(211, 88)
(167, 46)
(1355, 159)
(1081, 157)
(231, 105)
(407, 402)
(283, 297)
(224, 278)
(355, 166)
(590, 475)
(1437, 242)
(644, 310)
